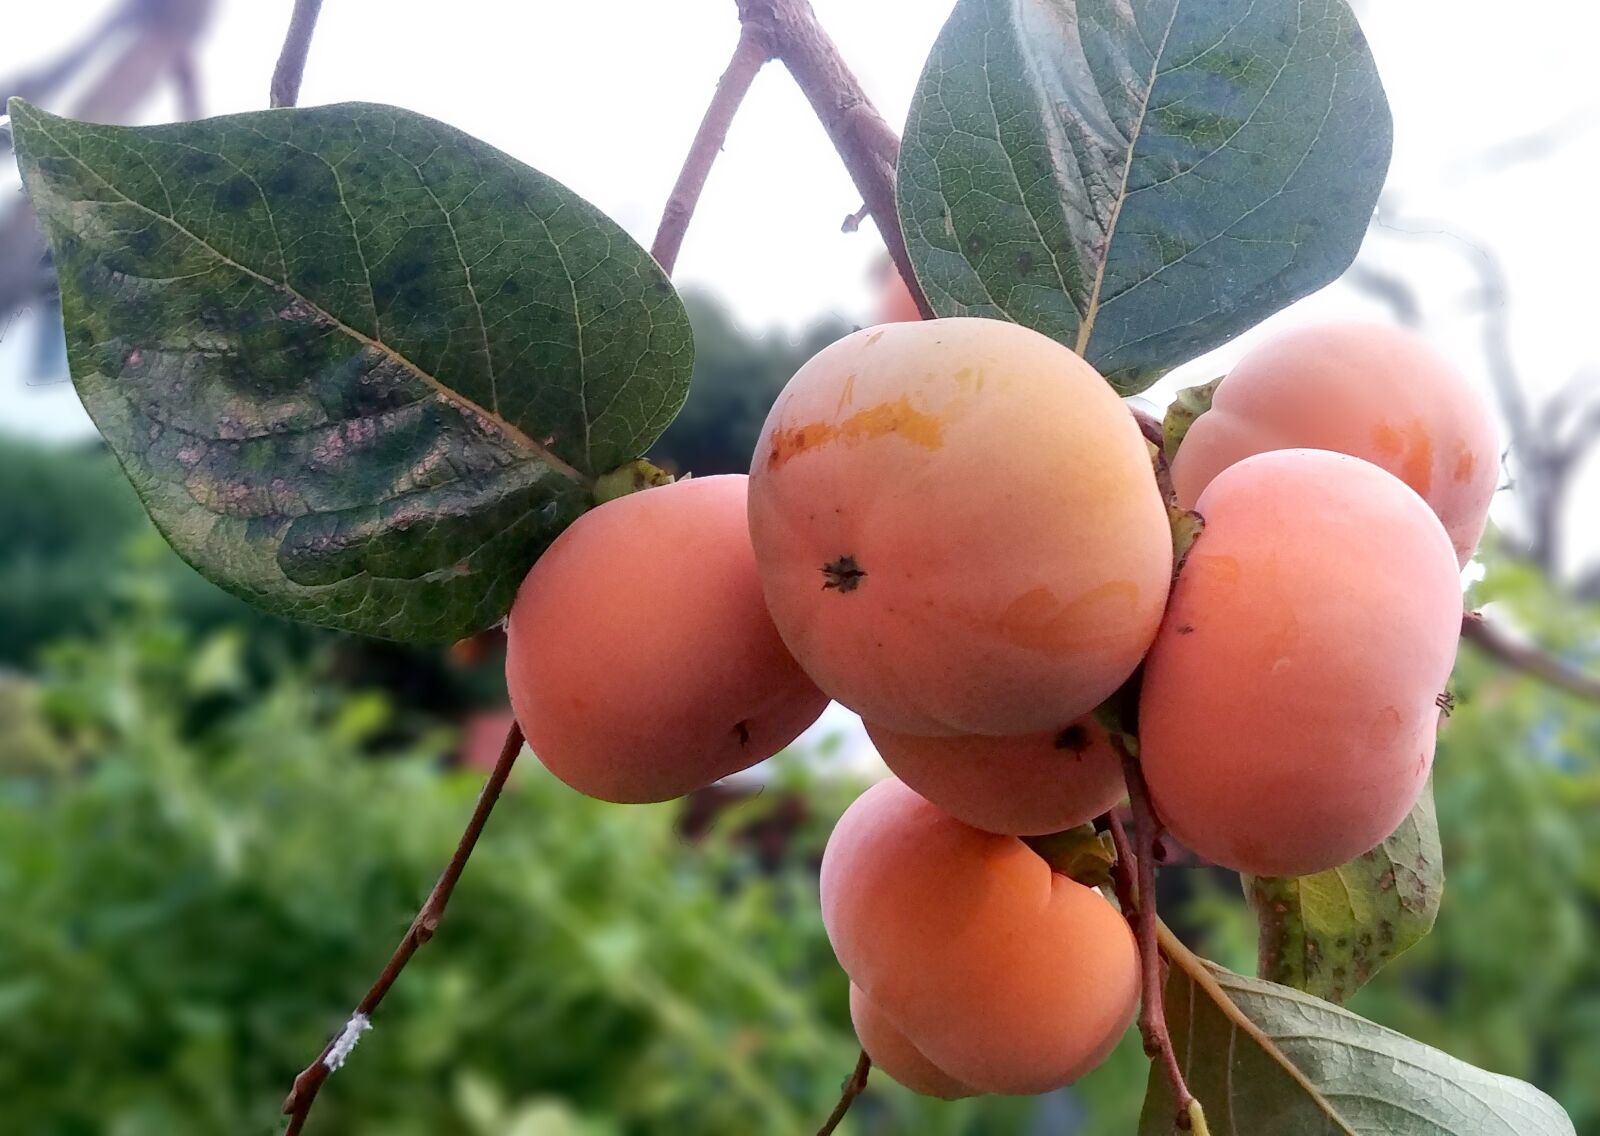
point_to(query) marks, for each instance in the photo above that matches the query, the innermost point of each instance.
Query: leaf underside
(1265, 1060)
(1144, 181)
(1327, 934)
(361, 367)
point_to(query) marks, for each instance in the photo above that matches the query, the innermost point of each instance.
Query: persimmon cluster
(955, 528)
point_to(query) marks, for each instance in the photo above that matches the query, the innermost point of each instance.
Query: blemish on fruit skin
(843, 575)
(1039, 621)
(899, 418)
(847, 396)
(1465, 463)
(1414, 449)
(1385, 727)
(873, 338)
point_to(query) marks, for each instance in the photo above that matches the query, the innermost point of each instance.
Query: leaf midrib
(1198, 975)
(446, 393)
(1086, 329)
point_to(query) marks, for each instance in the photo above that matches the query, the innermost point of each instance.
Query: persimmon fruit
(1290, 702)
(640, 658)
(958, 528)
(1003, 976)
(1368, 390)
(1027, 785)
(892, 1052)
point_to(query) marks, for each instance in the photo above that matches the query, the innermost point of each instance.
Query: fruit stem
(291, 68)
(749, 56)
(306, 1086)
(854, 1085)
(1135, 883)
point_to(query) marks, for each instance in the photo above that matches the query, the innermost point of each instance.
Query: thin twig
(304, 1093)
(1145, 918)
(1527, 657)
(750, 54)
(854, 1085)
(868, 145)
(291, 66)
(1122, 872)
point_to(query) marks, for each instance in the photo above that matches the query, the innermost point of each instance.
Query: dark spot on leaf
(975, 245)
(237, 192)
(1025, 263)
(843, 574)
(285, 182)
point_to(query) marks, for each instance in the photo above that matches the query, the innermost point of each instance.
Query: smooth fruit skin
(892, 1052)
(958, 528)
(1369, 390)
(640, 658)
(1004, 976)
(1020, 786)
(1289, 705)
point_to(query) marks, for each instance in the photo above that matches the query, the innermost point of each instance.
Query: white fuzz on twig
(346, 1042)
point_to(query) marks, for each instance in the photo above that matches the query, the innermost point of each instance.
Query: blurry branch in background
(1525, 656)
(150, 40)
(291, 68)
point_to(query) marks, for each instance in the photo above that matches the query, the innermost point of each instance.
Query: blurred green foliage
(200, 874)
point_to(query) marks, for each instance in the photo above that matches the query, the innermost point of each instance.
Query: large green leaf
(1270, 1061)
(1140, 179)
(1329, 933)
(360, 367)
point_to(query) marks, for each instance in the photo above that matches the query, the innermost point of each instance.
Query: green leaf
(1141, 179)
(360, 367)
(1329, 933)
(1270, 1061)
(1186, 406)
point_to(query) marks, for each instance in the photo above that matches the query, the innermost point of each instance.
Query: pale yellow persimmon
(640, 658)
(1005, 977)
(892, 1053)
(1027, 785)
(1373, 391)
(1291, 700)
(958, 529)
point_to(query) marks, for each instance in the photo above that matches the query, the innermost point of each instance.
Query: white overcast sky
(605, 95)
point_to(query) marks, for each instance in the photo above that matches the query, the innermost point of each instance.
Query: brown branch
(303, 1095)
(291, 66)
(854, 1085)
(750, 54)
(1122, 872)
(868, 145)
(1145, 920)
(1527, 657)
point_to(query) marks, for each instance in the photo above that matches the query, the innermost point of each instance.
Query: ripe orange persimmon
(1005, 977)
(958, 529)
(1020, 786)
(640, 658)
(1373, 391)
(893, 1053)
(1291, 700)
